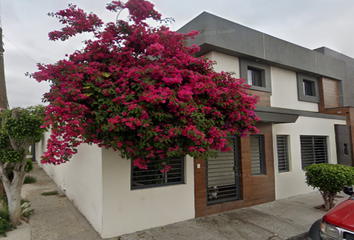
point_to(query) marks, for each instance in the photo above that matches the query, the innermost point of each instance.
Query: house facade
(305, 118)
(300, 93)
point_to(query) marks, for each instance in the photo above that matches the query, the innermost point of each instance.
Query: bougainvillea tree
(19, 129)
(139, 89)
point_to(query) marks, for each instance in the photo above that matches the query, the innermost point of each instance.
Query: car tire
(314, 233)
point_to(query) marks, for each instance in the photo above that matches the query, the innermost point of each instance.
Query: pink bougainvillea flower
(140, 90)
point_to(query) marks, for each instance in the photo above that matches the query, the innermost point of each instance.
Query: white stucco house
(305, 114)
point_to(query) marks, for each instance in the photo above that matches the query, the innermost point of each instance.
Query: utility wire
(19, 49)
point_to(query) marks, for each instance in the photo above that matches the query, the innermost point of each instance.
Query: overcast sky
(308, 23)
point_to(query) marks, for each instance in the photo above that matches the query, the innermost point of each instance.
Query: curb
(301, 236)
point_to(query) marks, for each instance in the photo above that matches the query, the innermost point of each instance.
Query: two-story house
(303, 120)
(296, 87)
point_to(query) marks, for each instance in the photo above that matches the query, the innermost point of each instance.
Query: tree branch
(14, 144)
(3, 172)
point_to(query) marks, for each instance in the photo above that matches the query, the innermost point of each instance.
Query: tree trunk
(14, 203)
(3, 95)
(13, 189)
(328, 199)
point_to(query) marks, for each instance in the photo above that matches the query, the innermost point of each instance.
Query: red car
(338, 223)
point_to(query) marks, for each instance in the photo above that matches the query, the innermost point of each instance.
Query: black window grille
(257, 154)
(313, 150)
(283, 153)
(255, 77)
(153, 177)
(223, 175)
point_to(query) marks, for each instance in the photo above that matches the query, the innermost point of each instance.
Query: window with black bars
(255, 77)
(154, 177)
(313, 150)
(283, 153)
(257, 154)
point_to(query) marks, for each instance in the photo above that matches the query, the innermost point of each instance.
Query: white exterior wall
(293, 182)
(225, 63)
(80, 179)
(126, 210)
(284, 91)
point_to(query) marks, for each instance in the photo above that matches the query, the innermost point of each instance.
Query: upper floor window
(256, 74)
(156, 175)
(255, 77)
(307, 88)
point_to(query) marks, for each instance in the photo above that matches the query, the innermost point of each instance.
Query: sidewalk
(289, 218)
(56, 218)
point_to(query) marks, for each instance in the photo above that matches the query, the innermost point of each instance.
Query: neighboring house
(298, 87)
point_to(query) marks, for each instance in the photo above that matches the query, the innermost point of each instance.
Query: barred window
(257, 154)
(313, 150)
(153, 177)
(283, 153)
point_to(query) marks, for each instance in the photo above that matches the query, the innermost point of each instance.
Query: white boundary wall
(293, 182)
(80, 179)
(126, 210)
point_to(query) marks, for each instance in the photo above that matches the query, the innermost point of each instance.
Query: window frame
(314, 151)
(182, 181)
(309, 87)
(252, 81)
(246, 64)
(302, 96)
(261, 156)
(287, 152)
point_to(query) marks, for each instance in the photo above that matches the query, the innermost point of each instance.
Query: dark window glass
(309, 88)
(255, 77)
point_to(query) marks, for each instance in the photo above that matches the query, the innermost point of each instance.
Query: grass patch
(50, 193)
(24, 200)
(29, 179)
(26, 208)
(5, 225)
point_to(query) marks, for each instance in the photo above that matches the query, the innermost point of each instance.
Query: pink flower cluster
(139, 90)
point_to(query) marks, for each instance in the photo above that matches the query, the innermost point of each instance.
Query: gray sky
(308, 23)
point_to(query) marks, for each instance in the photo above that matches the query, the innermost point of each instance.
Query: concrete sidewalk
(289, 218)
(56, 218)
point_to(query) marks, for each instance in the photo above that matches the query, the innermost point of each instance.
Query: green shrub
(4, 214)
(25, 208)
(329, 179)
(29, 179)
(29, 165)
(24, 200)
(50, 193)
(5, 226)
